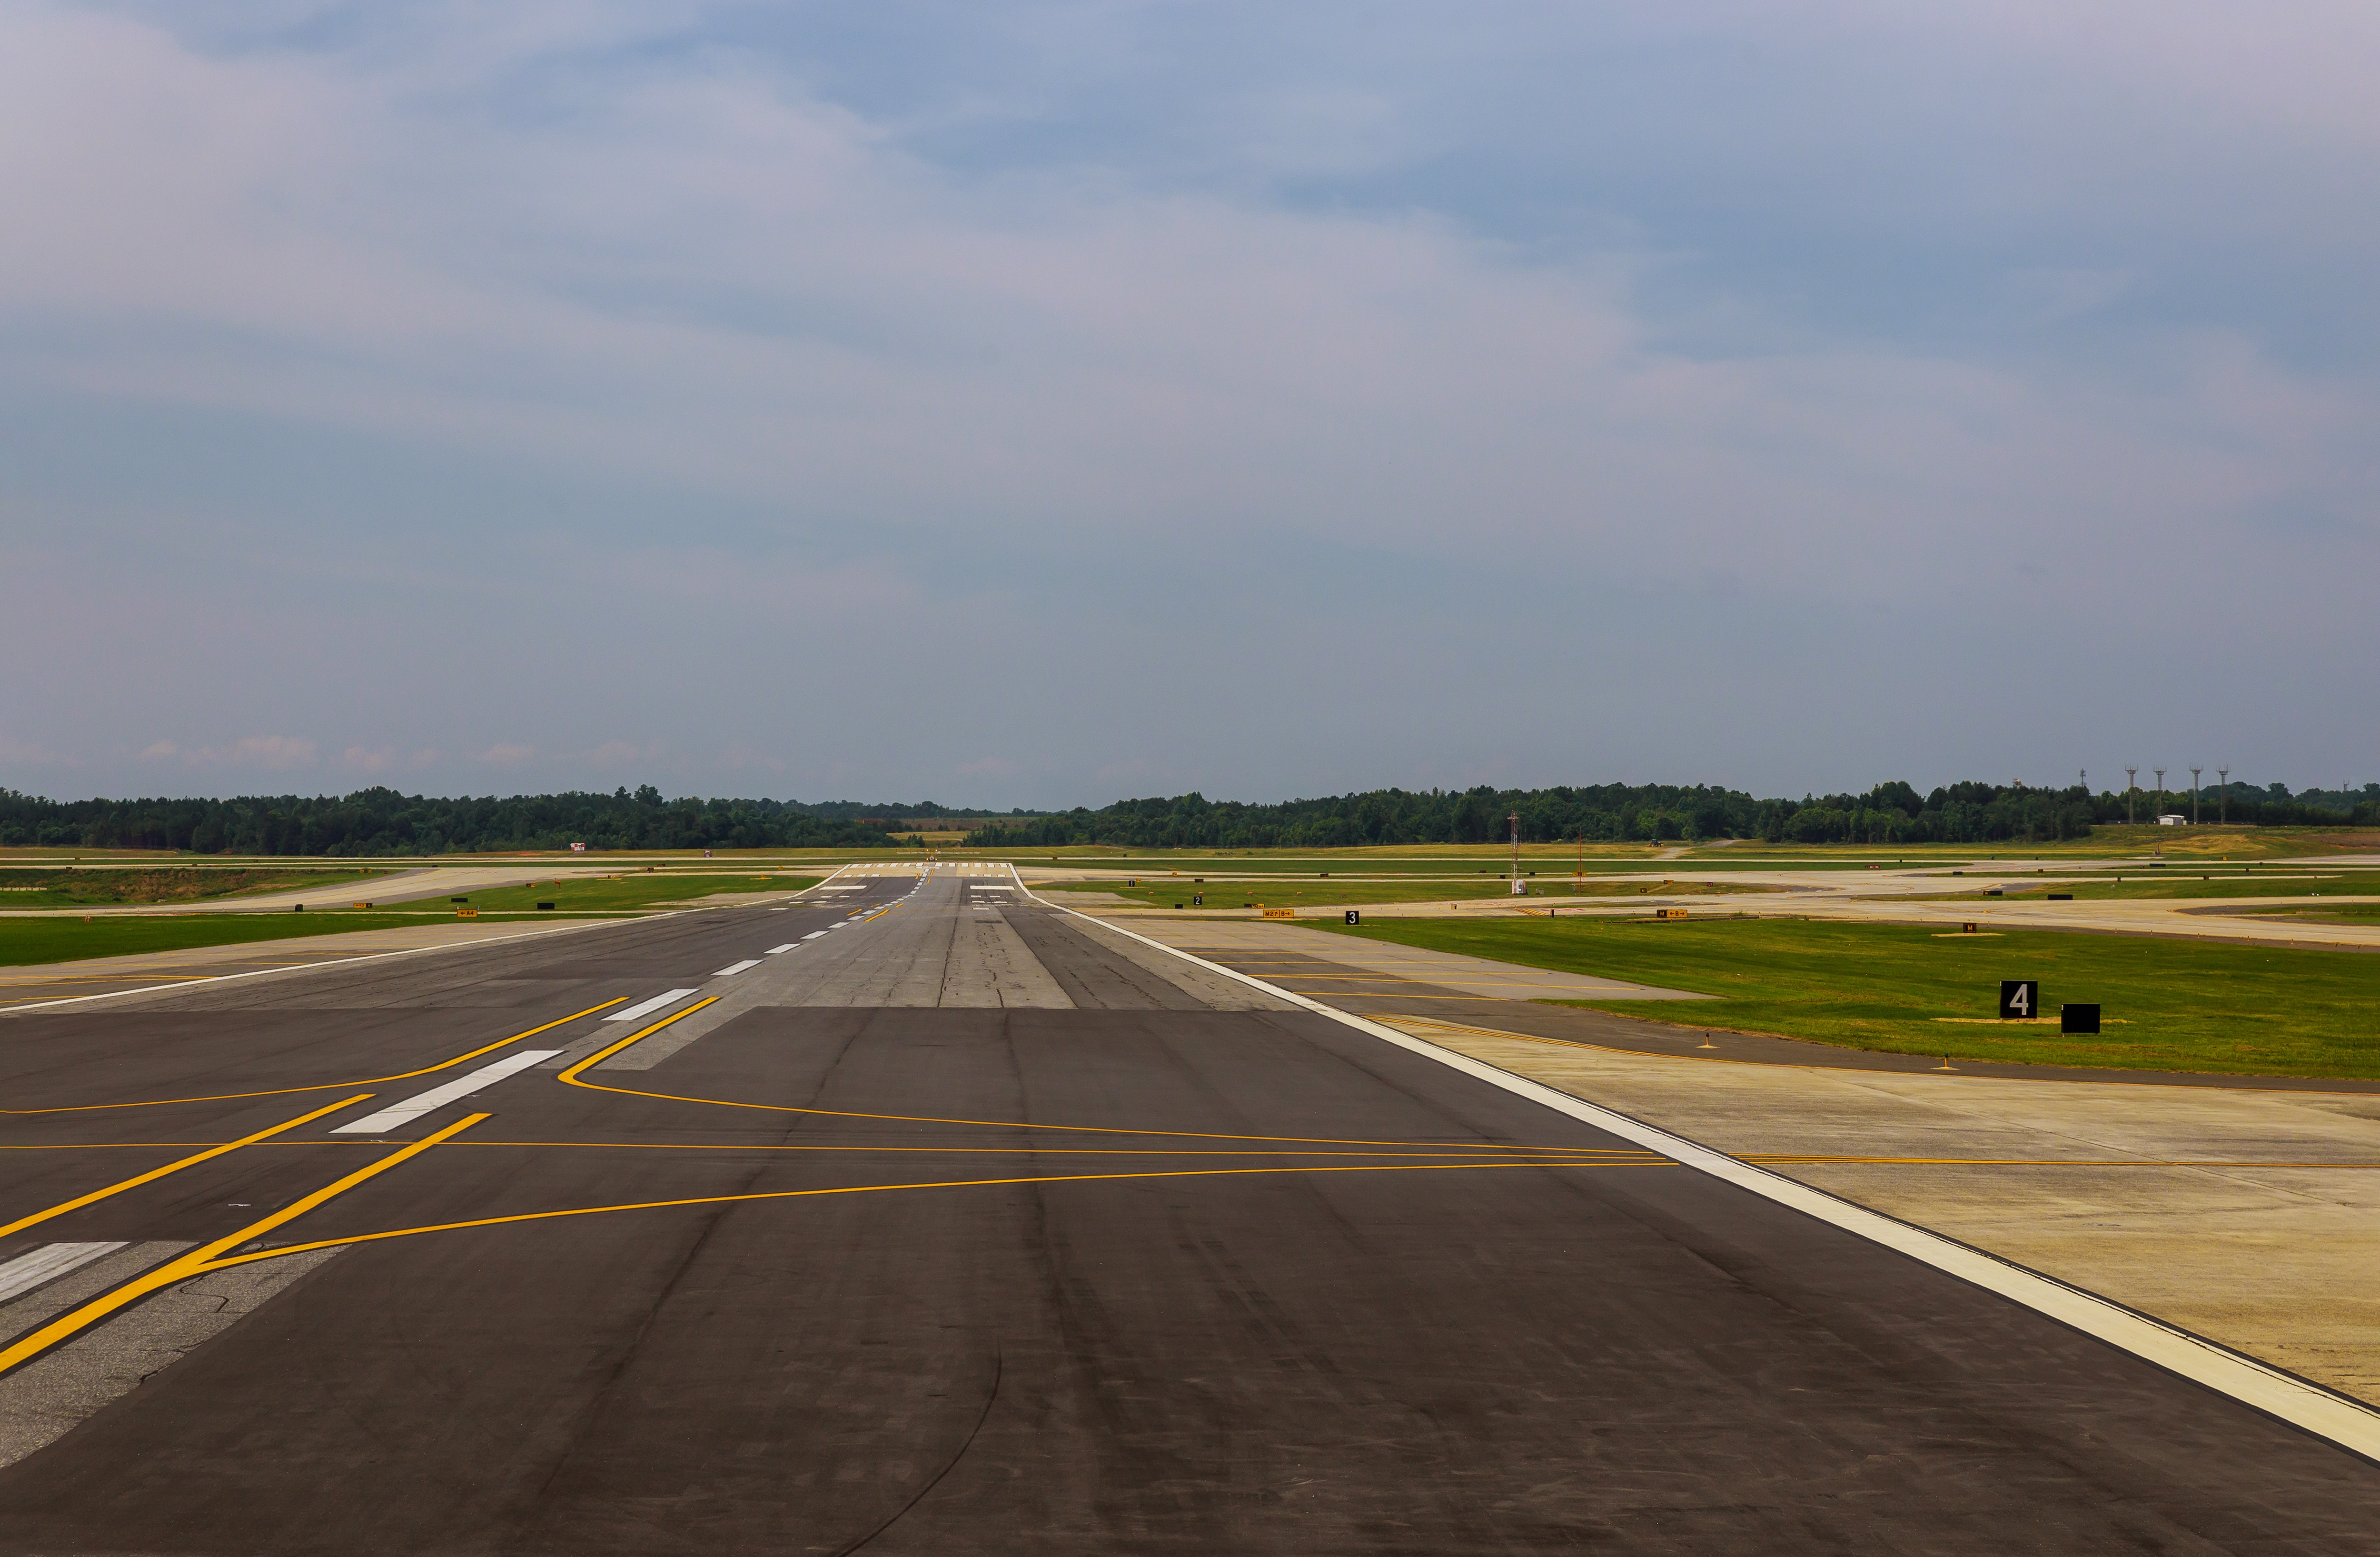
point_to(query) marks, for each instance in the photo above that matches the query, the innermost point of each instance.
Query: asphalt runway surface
(923, 1219)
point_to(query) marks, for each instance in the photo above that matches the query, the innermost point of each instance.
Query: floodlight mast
(2132, 787)
(1515, 820)
(2160, 774)
(2193, 795)
(2223, 798)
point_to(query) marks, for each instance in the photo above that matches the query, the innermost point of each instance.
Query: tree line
(383, 821)
(1890, 813)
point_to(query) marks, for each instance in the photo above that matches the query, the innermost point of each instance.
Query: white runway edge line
(814, 935)
(734, 969)
(647, 1007)
(786, 947)
(398, 1114)
(2301, 1403)
(50, 1261)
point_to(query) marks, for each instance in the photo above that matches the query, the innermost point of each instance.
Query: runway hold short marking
(397, 1115)
(734, 968)
(786, 947)
(647, 1007)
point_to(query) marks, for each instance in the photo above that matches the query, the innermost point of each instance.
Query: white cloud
(838, 387)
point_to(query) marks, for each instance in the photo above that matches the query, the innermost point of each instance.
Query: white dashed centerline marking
(814, 935)
(413, 1108)
(734, 969)
(647, 1007)
(786, 947)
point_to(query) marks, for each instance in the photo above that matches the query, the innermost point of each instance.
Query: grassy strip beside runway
(2170, 1004)
(1225, 892)
(33, 940)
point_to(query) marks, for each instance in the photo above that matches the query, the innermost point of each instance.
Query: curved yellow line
(570, 1077)
(879, 1189)
(329, 1086)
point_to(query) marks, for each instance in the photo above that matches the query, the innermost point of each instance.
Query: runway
(913, 1216)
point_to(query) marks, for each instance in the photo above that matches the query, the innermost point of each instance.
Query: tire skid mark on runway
(571, 1077)
(353, 1238)
(206, 1257)
(329, 1086)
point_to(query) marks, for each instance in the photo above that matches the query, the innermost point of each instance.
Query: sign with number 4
(2021, 998)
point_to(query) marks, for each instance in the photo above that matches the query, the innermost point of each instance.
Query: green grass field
(75, 887)
(27, 941)
(2171, 1005)
(1292, 893)
(633, 891)
(2278, 882)
(66, 938)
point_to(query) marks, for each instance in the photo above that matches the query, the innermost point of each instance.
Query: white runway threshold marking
(786, 947)
(2301, 1403)
(733, 968)
(647, 1007)
(398, 1114)
(50, 1261)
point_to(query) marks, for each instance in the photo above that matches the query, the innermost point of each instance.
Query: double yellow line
(198, 1261)
(210, 1255)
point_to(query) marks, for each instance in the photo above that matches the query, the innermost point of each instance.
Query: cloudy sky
(1042, 402)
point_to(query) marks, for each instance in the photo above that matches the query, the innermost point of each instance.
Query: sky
(1044, 403)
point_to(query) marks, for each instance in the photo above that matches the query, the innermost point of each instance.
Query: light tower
(1515, 820)
(2160, 774)
(2131, 787)
(2193, 795)
(2223, 798)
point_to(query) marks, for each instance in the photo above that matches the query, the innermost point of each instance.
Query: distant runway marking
(397, 1115)
(200, 1260)
(734, 969)
(2301, 1403)
(27, 1271)
(647, 1007)
(329, 1086)
(814, 935)
(786, 947)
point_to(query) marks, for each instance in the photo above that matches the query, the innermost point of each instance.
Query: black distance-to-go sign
(1197, 899)
(2019, 999)
(2078, 1018)
(1354, 915)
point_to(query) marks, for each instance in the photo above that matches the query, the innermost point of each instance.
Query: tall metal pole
(1515, 820)
(2160, 774)
(2132, 787)
(2194, 796)
(2223, 798)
